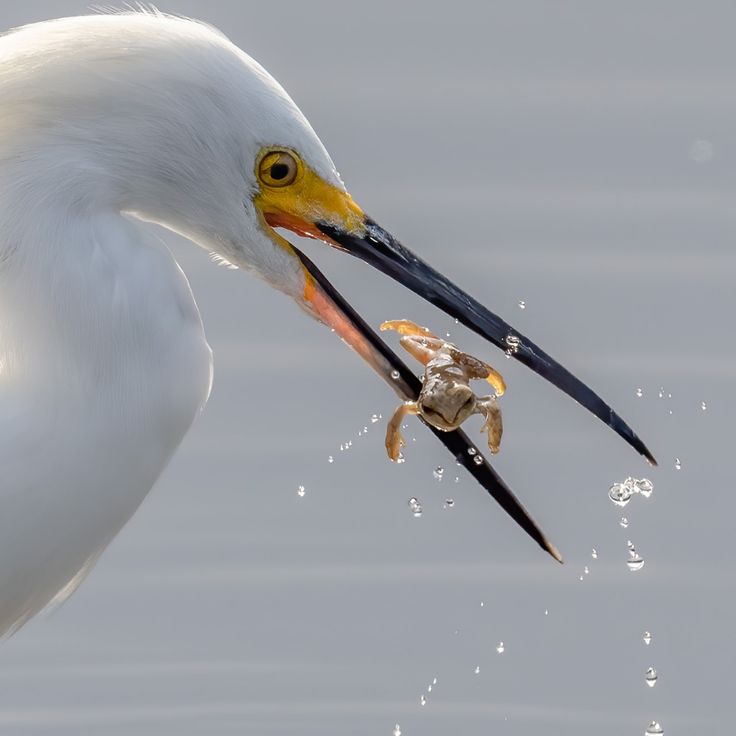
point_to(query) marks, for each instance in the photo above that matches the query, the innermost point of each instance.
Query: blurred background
(575, 157)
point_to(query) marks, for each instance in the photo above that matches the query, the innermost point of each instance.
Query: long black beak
(329, 306)
(384, 252)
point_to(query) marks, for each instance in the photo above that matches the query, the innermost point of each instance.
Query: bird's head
(165, 118)
(192, 133)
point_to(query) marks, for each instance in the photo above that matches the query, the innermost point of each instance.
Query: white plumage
(108, 120)
(104, 362)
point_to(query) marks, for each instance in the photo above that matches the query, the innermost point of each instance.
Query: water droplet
(500, 648)
(449, 503)
(477, 669)
(654, 729)
(678, 464)
(472, 451)
(457, 479)
(650, 677)
(661, 393)
(586, 570)
(438, 472)
(397, 730)
(703, 405)
(478, 460)
(482, 603)
(639, 392)
(634, 563)
(620, 493)
(434, 681)
(514, 343)
(624, 522)
(330, 459)
(300, 491)
(594, 553)
(375, 418)
(546, 612)
(581, 578)
(644, 486)
(522, 304)
(422, 700)
(647, 638)
(415, 507)
(395, 375)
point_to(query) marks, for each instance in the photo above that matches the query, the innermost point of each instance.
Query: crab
(446, 399)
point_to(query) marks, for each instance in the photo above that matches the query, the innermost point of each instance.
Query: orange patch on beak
(295, 224)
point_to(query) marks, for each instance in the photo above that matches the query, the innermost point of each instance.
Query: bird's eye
(278, 169)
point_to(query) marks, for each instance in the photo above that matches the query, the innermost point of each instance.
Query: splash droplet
(514, 343)
(300, 491)
(650, 677)
(639, 392)
(375, 418)
(395, 375)
(422, 700)
(647, 638)
(522, 304)
(472, 451)
(624, 522)
(500, 648)
(635, 562)
(330, 459)
(586, 570)
(594, 553)
(477, 669)
(620, 493)
(703, 405)
(397, 730)
(449, 503)
(415, 507)
(654, 729)
(438, 472)
(678, 464)
(478, 460)
(644, 486)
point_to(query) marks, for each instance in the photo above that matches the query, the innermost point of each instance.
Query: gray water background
(531, 151)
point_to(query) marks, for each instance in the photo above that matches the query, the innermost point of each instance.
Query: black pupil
(279, 171)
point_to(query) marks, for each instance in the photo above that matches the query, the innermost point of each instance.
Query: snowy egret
(107, 120)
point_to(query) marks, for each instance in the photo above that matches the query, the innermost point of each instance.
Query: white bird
(107, 120)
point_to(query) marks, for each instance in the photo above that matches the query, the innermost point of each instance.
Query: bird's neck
(86, 297)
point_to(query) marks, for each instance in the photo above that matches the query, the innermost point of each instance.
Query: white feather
(103, 360)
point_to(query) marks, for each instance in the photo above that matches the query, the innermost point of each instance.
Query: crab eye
(278, 169)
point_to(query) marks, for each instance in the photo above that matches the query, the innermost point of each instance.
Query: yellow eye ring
(278, 169)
